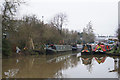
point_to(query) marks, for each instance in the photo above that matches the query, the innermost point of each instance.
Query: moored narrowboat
(58, 48)
(100, 48)
(86, 49)
(74, 47)
(110, 46)
(107, 47)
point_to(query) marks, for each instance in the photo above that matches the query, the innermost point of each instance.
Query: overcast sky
(102, 13)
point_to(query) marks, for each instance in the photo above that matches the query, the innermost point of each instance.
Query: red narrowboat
(107, 47)
(100, 48)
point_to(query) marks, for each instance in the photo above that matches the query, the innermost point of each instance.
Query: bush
(6, 48)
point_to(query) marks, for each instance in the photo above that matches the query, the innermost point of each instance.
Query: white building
(103, 38)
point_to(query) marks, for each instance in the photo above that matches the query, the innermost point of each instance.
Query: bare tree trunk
(31, 43)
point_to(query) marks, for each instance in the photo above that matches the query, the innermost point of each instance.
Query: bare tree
(59, 20)
(9, 9)
(88, 35)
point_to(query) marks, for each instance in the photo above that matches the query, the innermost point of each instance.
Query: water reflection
(87, 60)
(65, 65)
(100, 59)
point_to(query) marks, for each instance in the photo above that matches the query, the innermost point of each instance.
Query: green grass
(115, 51)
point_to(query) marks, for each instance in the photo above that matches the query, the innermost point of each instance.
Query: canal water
(61, 65)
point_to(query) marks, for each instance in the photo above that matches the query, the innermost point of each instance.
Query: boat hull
(59, 48)
(99, 52)
(74, 48)
(86, 53)
(50, 51)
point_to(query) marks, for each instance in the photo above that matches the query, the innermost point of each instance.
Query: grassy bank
(114, 51)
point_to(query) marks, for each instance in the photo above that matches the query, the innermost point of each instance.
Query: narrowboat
(107, 48)
(74, 47)
(111, 46)
(86, 49)
(93, 47)
(58, 48)
(100, 48)
(77, 47)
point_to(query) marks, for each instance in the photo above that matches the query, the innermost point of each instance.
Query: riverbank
(25, 53)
